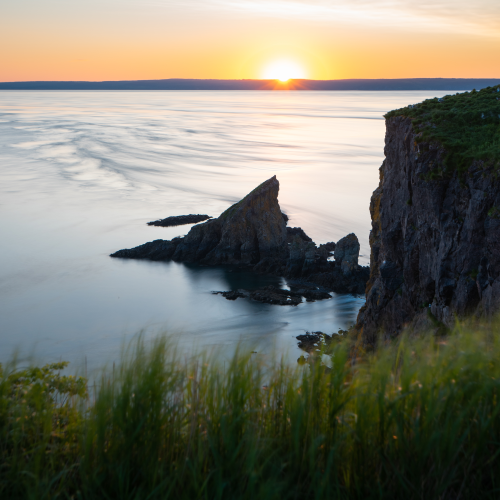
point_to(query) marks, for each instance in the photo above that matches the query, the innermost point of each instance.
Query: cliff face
(435, 239)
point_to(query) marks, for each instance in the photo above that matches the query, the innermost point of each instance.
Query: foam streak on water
(82, 172)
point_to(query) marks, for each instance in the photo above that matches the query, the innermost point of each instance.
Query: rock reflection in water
(264, 328)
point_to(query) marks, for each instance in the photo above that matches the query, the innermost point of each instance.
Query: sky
(99, 40)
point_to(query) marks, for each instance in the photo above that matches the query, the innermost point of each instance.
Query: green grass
(416, 419)
(467, 125)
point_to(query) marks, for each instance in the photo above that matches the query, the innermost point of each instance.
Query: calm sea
(82, 172)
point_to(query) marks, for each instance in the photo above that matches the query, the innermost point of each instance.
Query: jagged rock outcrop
(250, 232)
(347, 253)
(253, 233)
(435, 239)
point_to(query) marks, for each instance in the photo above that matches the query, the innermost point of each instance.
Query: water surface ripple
(82, 172)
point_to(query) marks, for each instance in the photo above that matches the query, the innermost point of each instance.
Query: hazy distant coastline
(458, 84)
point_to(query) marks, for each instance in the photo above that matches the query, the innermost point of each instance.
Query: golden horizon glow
(232, 39)
(283, 70)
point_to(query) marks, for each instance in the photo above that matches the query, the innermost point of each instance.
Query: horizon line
(304, 84)
(254, 79)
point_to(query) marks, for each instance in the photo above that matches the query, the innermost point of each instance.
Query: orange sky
(325, 39)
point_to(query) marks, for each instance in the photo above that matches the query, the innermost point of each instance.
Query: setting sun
(283, 70)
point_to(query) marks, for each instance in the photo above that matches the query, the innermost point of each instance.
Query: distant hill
(458, 84)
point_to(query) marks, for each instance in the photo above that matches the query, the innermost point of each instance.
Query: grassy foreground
(416, 419)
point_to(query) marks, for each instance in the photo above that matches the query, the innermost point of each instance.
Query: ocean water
(82, 172)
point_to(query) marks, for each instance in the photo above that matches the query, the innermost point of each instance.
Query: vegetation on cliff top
(467, 125)
(419, 418)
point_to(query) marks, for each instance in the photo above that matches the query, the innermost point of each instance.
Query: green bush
(417, 418)
(467, 125)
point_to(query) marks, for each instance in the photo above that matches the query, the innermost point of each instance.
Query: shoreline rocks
(310, 341)
(253, 234)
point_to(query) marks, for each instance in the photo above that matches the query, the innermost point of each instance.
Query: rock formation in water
(179, 220)
(272, 295)
(346, 254)
(253, 233)
(435, 239)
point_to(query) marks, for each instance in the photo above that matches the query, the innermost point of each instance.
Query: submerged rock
(272, 295)
(310, 341)
(232, 295)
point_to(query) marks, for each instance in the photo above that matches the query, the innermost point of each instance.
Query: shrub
(467, 125)
(417, 418)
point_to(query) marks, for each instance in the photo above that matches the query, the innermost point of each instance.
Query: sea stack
(251, 232)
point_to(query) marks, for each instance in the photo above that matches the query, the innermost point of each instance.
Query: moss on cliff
(467, 125)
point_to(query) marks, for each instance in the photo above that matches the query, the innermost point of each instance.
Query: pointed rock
(250, 232)
(347, 253)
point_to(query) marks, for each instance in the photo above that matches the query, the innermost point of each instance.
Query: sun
(283, 70)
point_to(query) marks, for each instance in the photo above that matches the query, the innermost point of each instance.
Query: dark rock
(245, 234)
(154, 250)
(434, 241)
(296, 256)
(312, 340)
(311, 259)
(179, 220)
(272, 295)
(232, 295)
(199, 242)
(305, 259)
(296, 231)
(329, 247)
(326, 249)
(391, 275)
(253, 233)
(347, 253)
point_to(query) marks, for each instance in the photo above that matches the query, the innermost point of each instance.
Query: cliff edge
(435, 238)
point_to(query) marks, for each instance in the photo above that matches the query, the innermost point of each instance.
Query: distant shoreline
(409, 84)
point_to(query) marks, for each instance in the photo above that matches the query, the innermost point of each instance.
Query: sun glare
(283, 71)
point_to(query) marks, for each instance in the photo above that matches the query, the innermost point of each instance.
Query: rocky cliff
(435, 238)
